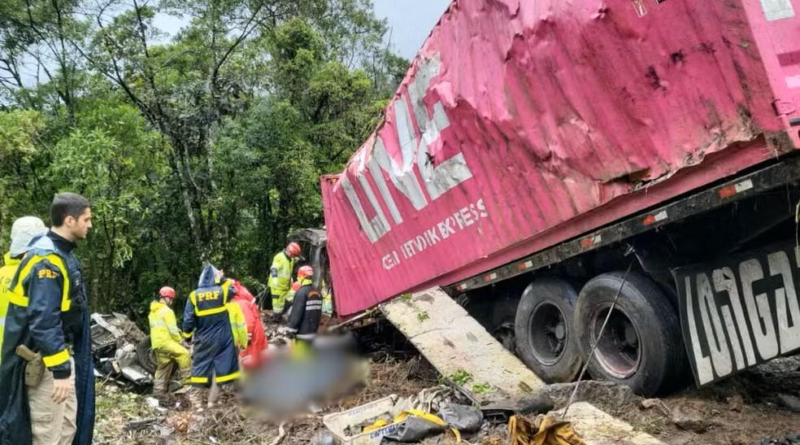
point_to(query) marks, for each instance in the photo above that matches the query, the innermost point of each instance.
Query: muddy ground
(744, 410)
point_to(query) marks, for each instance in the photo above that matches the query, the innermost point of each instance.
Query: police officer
(48, 313)
(217, 329)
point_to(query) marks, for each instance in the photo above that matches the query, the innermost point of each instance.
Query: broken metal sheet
(136, 374)
(596, 427)
(455, 343)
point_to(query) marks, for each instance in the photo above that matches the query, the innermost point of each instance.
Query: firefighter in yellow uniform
(165, 338)
(280, 277)
(22, 231)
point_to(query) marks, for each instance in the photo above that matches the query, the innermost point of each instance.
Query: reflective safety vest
(6, 275)
(211, 303)
(280, 277)
(238, 325)
(163, 326)
(18, 297)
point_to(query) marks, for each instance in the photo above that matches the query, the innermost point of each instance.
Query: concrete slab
(453, 341)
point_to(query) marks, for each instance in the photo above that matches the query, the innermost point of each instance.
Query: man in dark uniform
(306, 312)
(207, 322)
(48, 313)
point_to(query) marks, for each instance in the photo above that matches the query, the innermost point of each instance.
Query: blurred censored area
(298, 377)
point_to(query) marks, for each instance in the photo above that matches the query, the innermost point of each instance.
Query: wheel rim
(548, 333)
(619, 351)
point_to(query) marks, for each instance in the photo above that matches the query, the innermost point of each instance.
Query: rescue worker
(216, 329)
(48, 313)
(22, 231)
(165, 339)
(307, 308)
(252, 356)
(280, 277)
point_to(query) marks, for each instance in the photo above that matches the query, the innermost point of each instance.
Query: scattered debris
(690, 421)
(736, 403)
(593, 390)
(790, 440)
(789, 401)
(656, 403)
(466, 419)
(544, 430)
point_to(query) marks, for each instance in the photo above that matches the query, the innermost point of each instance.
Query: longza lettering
(437, 179)
(753, 327)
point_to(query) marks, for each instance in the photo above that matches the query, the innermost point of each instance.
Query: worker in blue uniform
(209, 325)
(47, 385)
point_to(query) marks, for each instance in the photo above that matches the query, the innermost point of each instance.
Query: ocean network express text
(458, 221)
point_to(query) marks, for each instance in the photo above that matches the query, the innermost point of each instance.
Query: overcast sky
(410, 22)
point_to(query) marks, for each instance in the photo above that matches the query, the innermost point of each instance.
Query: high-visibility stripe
(56, 359)
(19, 290)
(199, 380)
(157, 324)
(2, 322)
(217, 310)
(187, 334)
(17, 299)
(228, 378)
(207, 312)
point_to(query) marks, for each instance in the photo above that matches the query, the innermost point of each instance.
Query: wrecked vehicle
(121, 351)
(526, 164)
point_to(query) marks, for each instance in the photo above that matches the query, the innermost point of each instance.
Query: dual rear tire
(641, 345)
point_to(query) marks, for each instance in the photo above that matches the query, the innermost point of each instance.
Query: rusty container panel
(524, 123)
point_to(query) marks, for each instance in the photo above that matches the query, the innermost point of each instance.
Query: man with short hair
(165, 339)
(48, 312)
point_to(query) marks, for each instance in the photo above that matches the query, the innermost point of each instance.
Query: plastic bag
(413, 429)
(466, 419)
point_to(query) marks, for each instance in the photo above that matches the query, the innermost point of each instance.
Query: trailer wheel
(544, 333)
(641, 346)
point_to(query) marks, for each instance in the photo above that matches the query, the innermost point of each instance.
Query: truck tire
(641, 346)
(146, 356)
(544, 332)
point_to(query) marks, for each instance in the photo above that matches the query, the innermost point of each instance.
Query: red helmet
(167, 292)
(305, 271)
(293, 249)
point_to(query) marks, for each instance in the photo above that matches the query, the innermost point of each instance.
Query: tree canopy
(205, 145)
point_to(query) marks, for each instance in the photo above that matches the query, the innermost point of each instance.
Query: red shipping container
(524, 123)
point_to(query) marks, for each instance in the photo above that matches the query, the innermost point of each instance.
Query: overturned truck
(544, 159)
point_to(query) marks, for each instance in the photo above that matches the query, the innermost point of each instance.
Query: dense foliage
(202, 146)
